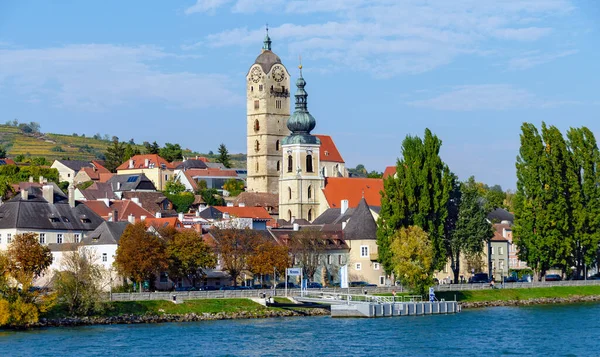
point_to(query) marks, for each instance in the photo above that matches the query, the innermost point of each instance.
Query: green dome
(301, 123)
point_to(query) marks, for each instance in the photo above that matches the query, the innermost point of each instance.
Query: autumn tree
(308, 248)
(235, 246)
(27, 259)
(234, 186)
(268, 255)
(413, 258)
(140, 255)
(188, 255)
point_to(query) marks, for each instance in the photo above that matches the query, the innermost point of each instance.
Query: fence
(533, 284)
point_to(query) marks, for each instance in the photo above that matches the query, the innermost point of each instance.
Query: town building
(157, 169)
(68, 170)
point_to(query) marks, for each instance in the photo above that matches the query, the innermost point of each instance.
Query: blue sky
(174, 71)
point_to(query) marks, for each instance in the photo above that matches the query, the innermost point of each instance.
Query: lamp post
(502, 276)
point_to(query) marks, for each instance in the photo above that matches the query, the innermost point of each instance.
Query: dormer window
(54, 219)
(326, 153)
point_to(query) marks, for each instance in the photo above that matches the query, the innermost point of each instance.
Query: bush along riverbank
(141, 312)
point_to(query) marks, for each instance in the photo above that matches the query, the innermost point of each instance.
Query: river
(550, 330)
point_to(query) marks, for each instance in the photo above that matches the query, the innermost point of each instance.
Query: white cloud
(487, 97)
(208, 6)
(96, 77)
(395, 37)
(535, 58)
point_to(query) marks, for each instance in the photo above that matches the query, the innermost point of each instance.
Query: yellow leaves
(546, 187)
(4, 312)
(23, 313)
(412, 257)
(548, 148)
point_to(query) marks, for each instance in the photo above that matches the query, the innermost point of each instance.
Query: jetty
(357, 305)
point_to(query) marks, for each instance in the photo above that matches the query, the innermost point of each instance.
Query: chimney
(180, 217)
(136, 200)
(241, 204)
(158, 215)
(48, 193)
(225, 215)
(131, 218)
(229, 204)
(71, 190)
(344, 206)
(24, 194)
(41, 180)
(131, 163)
(197, 213)
(115, 216)
(296, 227)
(31, 179)
(146, 162)
(142, 218)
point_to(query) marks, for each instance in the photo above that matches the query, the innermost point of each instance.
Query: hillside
(58, 146)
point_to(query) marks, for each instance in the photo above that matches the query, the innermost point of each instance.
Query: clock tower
(268, 110)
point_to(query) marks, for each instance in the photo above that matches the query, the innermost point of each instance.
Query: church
(304, 171)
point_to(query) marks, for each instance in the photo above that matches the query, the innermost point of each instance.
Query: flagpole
(286, 282)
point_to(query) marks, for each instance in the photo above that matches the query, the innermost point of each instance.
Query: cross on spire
(267, 41)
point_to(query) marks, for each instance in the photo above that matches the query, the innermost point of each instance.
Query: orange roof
(210, 172)
(139, 162)
(123, 207)
(389, 171)
(245, 212)
(8, 161)
(163, 222)
(352, 189)
(105, 176)
(328, 150)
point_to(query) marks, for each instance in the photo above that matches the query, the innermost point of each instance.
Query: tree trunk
(456, 268)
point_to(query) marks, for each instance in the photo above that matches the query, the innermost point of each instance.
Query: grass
(518, 294)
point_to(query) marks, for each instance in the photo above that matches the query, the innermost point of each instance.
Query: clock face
(255, 74)
(278, 74)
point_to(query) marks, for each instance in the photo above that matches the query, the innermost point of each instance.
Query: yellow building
(157, 169)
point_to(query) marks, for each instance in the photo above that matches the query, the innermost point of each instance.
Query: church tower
(268, 109)
(300, 183)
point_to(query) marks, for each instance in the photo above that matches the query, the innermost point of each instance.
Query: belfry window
(256, 146)
(309, 192)
(257, 167)
(289, 193)
(290, 166)
(309, 163)
(256, 125)
(278, 165)
(256, 104)
(289, 215)
(260, 87)
(277, 145)
(310, 215)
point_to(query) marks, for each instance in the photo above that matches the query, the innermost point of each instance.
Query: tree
(234, 186)
(140, 255)
(130, 151)
(235, 247)
(224, 156)
(308, 248)
(413, 258)
(181, 201)
(171, 152)
(153, 148)
(115, 155)
(188, 255)
(211, 197)
(493, 197)
(35, 127)
(27, 259)
(471, 230)
(2, 152)
(268, 255)
(79, 282)
(585, 198)
(174, 186)
(418, 195)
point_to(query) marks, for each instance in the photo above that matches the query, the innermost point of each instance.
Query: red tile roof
(191, 180)
(139, 162)
(123, 207)
(245, 212)
(105, 176)
(352, 189)
(389, 171)
(163, 222)
(8, 161)
(328, 150)
(210, 172)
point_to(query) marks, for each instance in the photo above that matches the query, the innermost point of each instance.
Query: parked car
(208, 288)
(479, 278)
(510, 279)
(553, 277)
(361, 284)
(227, 288)
(259, 286)
(186, 288)
(314, 285)
(289, 286)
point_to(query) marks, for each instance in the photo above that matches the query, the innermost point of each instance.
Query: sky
(472, 71)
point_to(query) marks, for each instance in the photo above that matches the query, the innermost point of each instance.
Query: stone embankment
(189, 317)
(538, 301)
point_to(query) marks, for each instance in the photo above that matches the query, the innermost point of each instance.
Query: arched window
(256, 125)
(290, 193)
(290, 166)
(256, 146)
(257, 167)
(278, 166)
(289, 215)
(310, 215)
(309, 192)
(251, 88)
(277, 145)
(309, 163)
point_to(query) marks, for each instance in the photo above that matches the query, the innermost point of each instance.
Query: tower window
(251, 88)
(289, 163)
(278, 165)
(289, 193)
(277, 104)
(289, 215)
(257, 167)
(309, 192)
(256, 125)
(256, 146)
(310, 215)
(309, 163)
(277, 145)
(256, 104)
(260, 87)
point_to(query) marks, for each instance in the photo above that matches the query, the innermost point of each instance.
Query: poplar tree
(585, 198)
(418, 196)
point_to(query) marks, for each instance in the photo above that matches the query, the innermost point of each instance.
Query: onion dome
(301, 122)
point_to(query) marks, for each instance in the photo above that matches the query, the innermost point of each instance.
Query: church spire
(301, 122)
(267, 41)
(301, 95)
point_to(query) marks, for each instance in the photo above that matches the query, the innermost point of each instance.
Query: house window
(42, 238)
(329, 259)
(8, 238)
(309, 163)
(166, 177)
(289, 193)
(77, 237)
(256, 104)
(381, 280)
(358, 266)
(277, 145)
(278, 165)
(104, 257)
(500, 250)
(59, 238)
(492, 252)
(310, 214)
(364, 251)
(289, 163)
(375, 266)
(256, 146)
(256, 125)
(340, 259)
(309, 192)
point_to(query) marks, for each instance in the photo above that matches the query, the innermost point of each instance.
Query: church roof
(267, 59)
(301, 122)
(328, 151)
(352, 189)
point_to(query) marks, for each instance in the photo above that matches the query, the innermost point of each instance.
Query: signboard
(294, 271)
(344, 276)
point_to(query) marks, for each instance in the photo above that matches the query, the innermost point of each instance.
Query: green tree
(234, 186)
(471, 230)
(171, 152)
(130, 151)
(493, 198)
(115, 155)
(174, 186)
(585, 198)
(224, 157)
(413, 258)
(140, 255)
(2, 152)
(211, 197)
(188, 255)
(181, 201)
(153, 148)
(419, 195)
